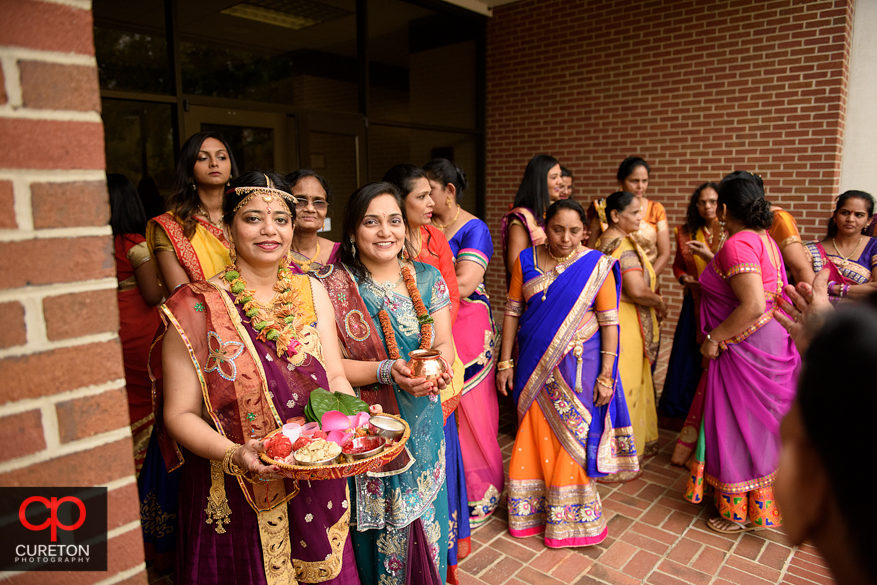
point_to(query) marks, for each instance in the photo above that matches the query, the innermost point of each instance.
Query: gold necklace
(560, 260)
(440, 226)
(215, 224)
(845, 260)
(305, 265)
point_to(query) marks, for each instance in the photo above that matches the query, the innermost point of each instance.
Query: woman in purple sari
(239, 357)
(309, 251)
(751, 380)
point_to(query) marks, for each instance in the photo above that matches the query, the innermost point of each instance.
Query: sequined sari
(401, 515)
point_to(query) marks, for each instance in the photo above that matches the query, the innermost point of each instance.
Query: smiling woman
(228, 340)
(310, 251)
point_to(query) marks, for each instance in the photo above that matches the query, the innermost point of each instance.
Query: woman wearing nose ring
(431, 247)
(232, 368)
(385, 307)
(310, 251)
(639, 311)
(573, 423)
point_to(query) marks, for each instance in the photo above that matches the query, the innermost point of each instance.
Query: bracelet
(385, 372)
(508, 364)
(844, 290)
(711, 340)
(609, 353)
(605, 382)
(228, 466)
(831, 284)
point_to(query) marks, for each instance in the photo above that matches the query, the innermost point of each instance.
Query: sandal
(739, 527)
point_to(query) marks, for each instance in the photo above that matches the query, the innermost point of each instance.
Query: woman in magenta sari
(474, 337)
(522, 226)
(232, 369)
(573, 419)
(750, 381)
(849, 255)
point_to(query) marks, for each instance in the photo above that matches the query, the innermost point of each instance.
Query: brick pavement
(655, 537)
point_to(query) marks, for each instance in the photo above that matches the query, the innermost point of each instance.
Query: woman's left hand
(709, 349)
(602, 394)
(375, 409)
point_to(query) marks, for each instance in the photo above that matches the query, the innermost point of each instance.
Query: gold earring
(448, 201)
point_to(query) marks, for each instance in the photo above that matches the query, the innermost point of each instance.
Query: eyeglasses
(319, 204)
(708, 203)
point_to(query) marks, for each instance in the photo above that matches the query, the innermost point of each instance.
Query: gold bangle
(228, 466)
(609, 353)
(500, 366)
(606, 382)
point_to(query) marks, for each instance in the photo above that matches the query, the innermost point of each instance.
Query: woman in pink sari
(751, 380)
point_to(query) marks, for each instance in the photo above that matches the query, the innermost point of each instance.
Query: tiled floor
(654, 537)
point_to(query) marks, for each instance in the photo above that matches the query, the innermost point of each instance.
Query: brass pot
(426, 363)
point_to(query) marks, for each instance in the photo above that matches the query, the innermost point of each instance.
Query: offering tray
(343, 468)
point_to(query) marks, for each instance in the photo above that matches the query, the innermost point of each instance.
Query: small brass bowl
(426, 363)
(386, 426)
(374, 445)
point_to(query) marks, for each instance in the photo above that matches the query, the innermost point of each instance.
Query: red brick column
(697, 89)
(63, 407)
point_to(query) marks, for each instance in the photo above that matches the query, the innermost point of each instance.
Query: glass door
(333, 146)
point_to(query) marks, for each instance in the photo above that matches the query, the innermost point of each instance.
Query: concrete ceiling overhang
(484, 7)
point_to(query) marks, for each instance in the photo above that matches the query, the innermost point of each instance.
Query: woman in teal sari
(386, 307)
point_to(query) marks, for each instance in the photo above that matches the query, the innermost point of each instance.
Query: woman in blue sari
(573, 421)
(475, 339)
(386, 307)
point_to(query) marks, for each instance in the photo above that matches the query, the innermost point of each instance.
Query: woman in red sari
(139, 293)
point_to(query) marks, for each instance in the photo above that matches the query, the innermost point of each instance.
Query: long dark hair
(443, 171)
(253, 179)
(533, 191)
(744, 199)
(185, 200)
(693, 220)
(294, 177)
(843, 198)
(126, 209)
(629, 165)
(354, 211)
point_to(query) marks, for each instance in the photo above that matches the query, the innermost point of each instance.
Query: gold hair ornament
(267, 193)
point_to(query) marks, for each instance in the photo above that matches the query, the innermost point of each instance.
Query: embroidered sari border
(742, 486)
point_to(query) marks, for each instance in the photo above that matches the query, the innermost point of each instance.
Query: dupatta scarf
(205, 255)
(559, 361)
(647, 317)
(534, 229)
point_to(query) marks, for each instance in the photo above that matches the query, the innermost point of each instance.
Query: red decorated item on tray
(278, 446)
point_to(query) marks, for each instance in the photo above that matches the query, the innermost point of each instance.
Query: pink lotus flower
(292, 349)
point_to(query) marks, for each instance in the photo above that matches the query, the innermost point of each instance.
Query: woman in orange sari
(653, 235)
(522, 226)
(189, 242)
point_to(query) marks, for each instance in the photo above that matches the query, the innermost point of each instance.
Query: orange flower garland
(422, 316)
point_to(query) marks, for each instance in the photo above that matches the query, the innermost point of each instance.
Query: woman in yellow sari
(189, 242)
(639, 310)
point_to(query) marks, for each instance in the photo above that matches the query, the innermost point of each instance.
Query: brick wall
(63, 407)
(696, 88)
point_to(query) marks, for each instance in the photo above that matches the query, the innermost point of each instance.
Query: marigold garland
(281, 326)
(423, 318)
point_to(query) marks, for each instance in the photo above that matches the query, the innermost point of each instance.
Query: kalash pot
(427, 363)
